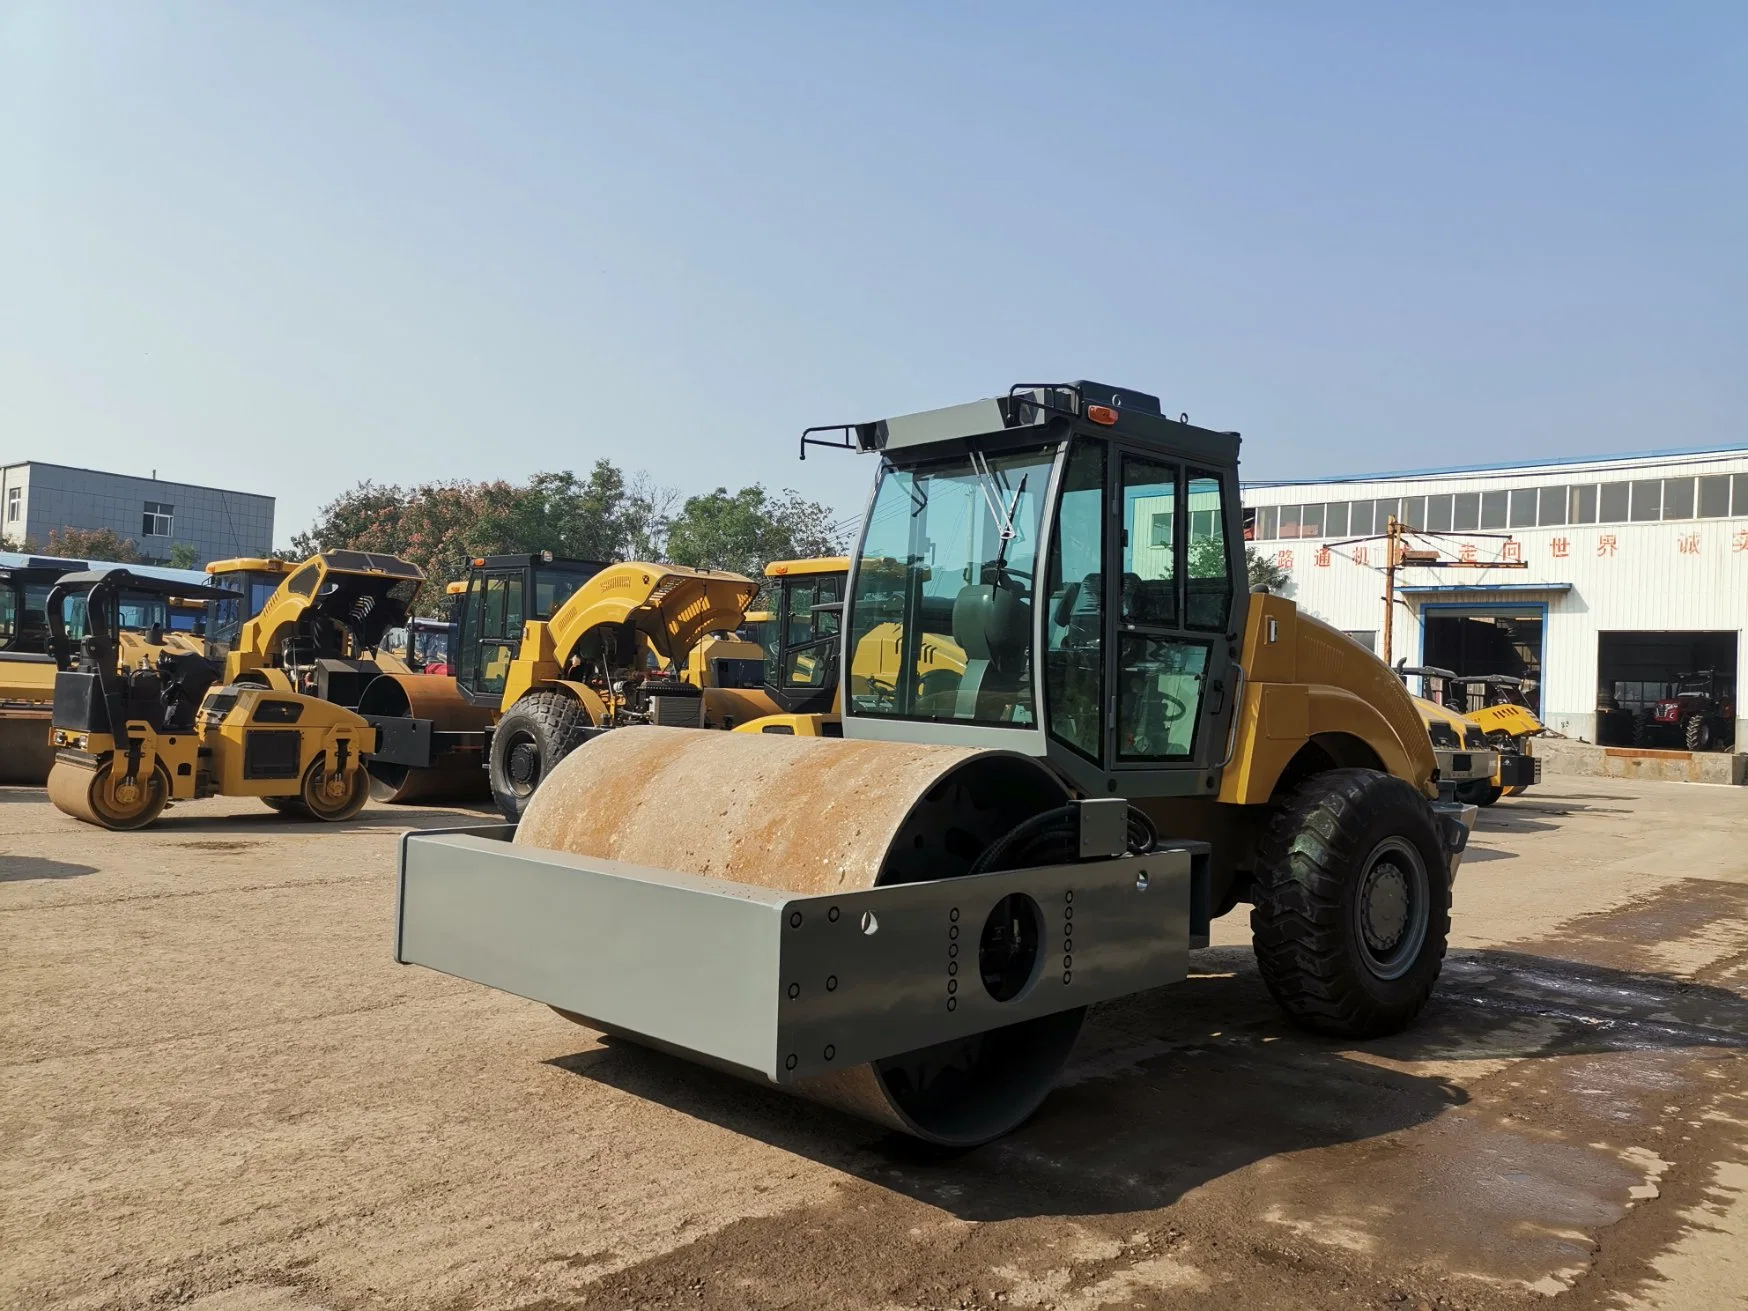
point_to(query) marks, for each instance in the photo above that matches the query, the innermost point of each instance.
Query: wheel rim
(118, 801)
(1391, 908)
(329, 794)
(522, 764)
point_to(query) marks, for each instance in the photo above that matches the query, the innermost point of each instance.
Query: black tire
(1641, 731)
(1479, 792)
(1339, 837)
(289, 806)
(538, 731)
(1696, 732)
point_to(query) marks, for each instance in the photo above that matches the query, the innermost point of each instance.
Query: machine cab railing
(1057, 572)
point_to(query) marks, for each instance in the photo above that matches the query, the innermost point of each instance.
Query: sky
(286, 247)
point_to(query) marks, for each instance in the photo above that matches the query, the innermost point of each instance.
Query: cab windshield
(227, 615)
(941, 616)
(554, 583)
(135, 612)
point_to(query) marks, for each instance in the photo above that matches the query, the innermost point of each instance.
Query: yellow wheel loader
(550, 652)
(909, 922)
(131, 740)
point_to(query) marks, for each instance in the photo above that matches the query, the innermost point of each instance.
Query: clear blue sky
(286, 246)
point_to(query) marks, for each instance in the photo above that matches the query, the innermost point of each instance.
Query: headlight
(1474, 737)
(1442, 734)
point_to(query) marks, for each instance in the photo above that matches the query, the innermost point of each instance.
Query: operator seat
(992, 623)
(185, 678)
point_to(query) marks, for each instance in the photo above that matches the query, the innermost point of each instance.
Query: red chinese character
(1561, 547)
(1362, 555)
(1740, 542)
(1466, 551)
(1284, 559)
(1688, 543)
(1606, 544)
(1322, 558)
(1513, 551)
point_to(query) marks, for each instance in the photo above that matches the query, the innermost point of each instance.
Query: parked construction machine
(909, 922)
(1499, 704)
(27, 671)
(130, 740)
(1467, 766)
(550, 652)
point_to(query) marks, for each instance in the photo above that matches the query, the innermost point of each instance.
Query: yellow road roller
(909, 922)
(130, 740)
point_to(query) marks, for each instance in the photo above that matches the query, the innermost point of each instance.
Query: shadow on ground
(1173, 1088)
(22, 869)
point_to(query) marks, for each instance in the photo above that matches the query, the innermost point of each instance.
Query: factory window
(1523, 507)
(158, 520)
(1311, 521)
(15, 501)
(1584, 504)
(1161, 530)
(1612, 503)
(1335, 519)
(1267, 523)
(1360, 520)
(1381, 512)
(1438, 514)
(1677, 498)
(1740, 509)
(1714, 497)
(1466, 512)
(1290, 515)
(1647, 499)
(1553, 505)
(1493, 509)
(1413, 512)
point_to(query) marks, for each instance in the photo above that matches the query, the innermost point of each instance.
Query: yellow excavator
(131, 739)
(910, 922)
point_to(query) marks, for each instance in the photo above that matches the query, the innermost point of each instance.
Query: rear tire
(538, 731)
(1352, 906)
(1641, 730)
(1697, 733)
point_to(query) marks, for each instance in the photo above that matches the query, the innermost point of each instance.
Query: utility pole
(1397, 554)
(1392, 536)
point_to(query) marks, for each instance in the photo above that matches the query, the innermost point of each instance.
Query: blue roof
(16, 560)
(1732, 448)
(1485, 587)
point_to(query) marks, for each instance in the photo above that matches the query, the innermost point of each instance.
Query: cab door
(491, 633)
(1171, 596)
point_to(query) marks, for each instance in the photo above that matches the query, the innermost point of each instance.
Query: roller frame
(704, 966)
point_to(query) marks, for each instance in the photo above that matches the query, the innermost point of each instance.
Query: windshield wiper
(993, 490)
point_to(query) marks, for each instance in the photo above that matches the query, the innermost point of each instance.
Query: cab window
(303, 582)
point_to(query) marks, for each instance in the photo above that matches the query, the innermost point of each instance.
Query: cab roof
(825, 564)
(126, 580)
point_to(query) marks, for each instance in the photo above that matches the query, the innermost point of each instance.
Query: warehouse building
(1606, 581)
(37, 499)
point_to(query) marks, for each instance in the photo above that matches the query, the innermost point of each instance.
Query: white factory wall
(1669, 575)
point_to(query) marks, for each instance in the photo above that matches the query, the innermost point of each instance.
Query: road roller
(131, 740)
(910, 921)
(549, 653)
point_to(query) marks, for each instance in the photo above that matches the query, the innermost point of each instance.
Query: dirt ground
(217, 1090)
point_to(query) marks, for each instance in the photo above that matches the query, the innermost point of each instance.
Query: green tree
(744, 531)
(1264, 572)
(92, 544)
(184, 555)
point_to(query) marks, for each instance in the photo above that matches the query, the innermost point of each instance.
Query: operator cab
(803, 633)
(250, 584)
(503, 593)
(1072, 520)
